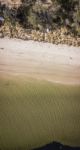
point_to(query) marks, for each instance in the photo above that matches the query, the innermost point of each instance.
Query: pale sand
(39, 60)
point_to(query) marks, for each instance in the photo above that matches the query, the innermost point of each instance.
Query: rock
(57, 36)
(1, 35)
(1, 21)
(57, 146)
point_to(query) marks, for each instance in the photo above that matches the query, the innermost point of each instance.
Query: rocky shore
(57, 36)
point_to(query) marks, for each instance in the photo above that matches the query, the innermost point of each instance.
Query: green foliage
(32, 19)
(38, 14)
(70, 14)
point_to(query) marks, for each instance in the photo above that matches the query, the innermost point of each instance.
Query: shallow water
(35, 112)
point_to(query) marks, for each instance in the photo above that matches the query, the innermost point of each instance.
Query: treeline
(45, 14)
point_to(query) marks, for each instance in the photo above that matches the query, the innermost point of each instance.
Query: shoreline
(40, 60)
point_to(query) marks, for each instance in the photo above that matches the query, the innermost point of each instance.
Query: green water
(33, 113)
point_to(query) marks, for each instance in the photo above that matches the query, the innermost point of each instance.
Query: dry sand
(44, 61)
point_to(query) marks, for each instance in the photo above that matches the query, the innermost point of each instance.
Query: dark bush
(39, 14)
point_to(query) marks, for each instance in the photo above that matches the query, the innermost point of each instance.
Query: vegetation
(43, 14)
(56, 14)
(60, 20)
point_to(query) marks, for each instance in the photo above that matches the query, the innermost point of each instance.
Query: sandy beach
(44, 61)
